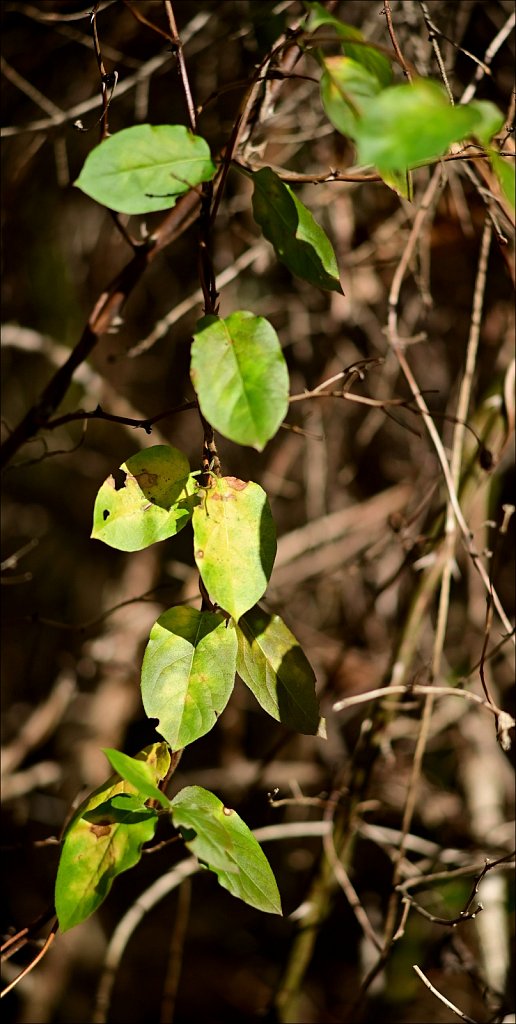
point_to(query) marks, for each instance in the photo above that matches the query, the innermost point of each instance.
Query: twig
(104, 130)
(491, 51)
(343, 878)
(161, 888)
(420, 690)
(106, 310)
(439, 995)
(144, 72)
(432, 32)
(178, 45)
(229, 274)
(173, 974)
(388, 17)
(40, 724)
(449, 922)
(449, 553)
(397, 345)
(128, 421)
(39, 956)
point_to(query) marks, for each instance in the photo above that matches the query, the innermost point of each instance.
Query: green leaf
(400, 182)
(103, 839)
(220, 839)
(410, 124)
(299, 242)
(155, 502)
(145, 168)
(346, 87)
(234, 543)
(369, 57)
(139, 773)
(504, 171)
(188, 673)
(240, 376)
(490, 121)
(273, 665)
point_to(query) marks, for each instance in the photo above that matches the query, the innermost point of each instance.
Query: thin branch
(390, 27)
(99, 414)
(39, 956)
(143, 73)
(439, 995)
(178, 46)
(161, 888)
(419, 690)
(175, 960)
(491, 52)
(432, 35)
(449, 922)
(106, 310)
(229, 274)
(343, 878)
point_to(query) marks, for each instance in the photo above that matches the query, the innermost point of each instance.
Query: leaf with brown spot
(103, 839)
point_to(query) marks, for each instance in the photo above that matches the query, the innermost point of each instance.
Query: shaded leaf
(346, 87)
(299, 241)
(240, 376)
(369, 57)
(155, 503)
(234, 543)
(103, 839)
(188, 673)
(275, 668)
(146, 167)
(222, 841)
(410, 124)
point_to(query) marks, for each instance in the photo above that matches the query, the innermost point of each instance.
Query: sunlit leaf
(103, 839)
(188, 673)
(410, 124)
(146, 167)
(222, 841)
(490, 120)
(155, 502)
(299, 241)
(139, 773)
(234, 543)
(239, 373)
(369, 57)
(275, 668)
(346, 87)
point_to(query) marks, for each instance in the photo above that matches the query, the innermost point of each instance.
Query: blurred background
(357, 496)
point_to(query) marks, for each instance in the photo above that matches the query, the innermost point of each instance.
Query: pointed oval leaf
(299, 241)
(220, 839)
(234, 543)
(240, 375)
(145, 168)
(188, 673)
(410, 124)
(155, 503)
(139, 773)
(369, 57)
(103, 839)
(275, 668)
(346, 87)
